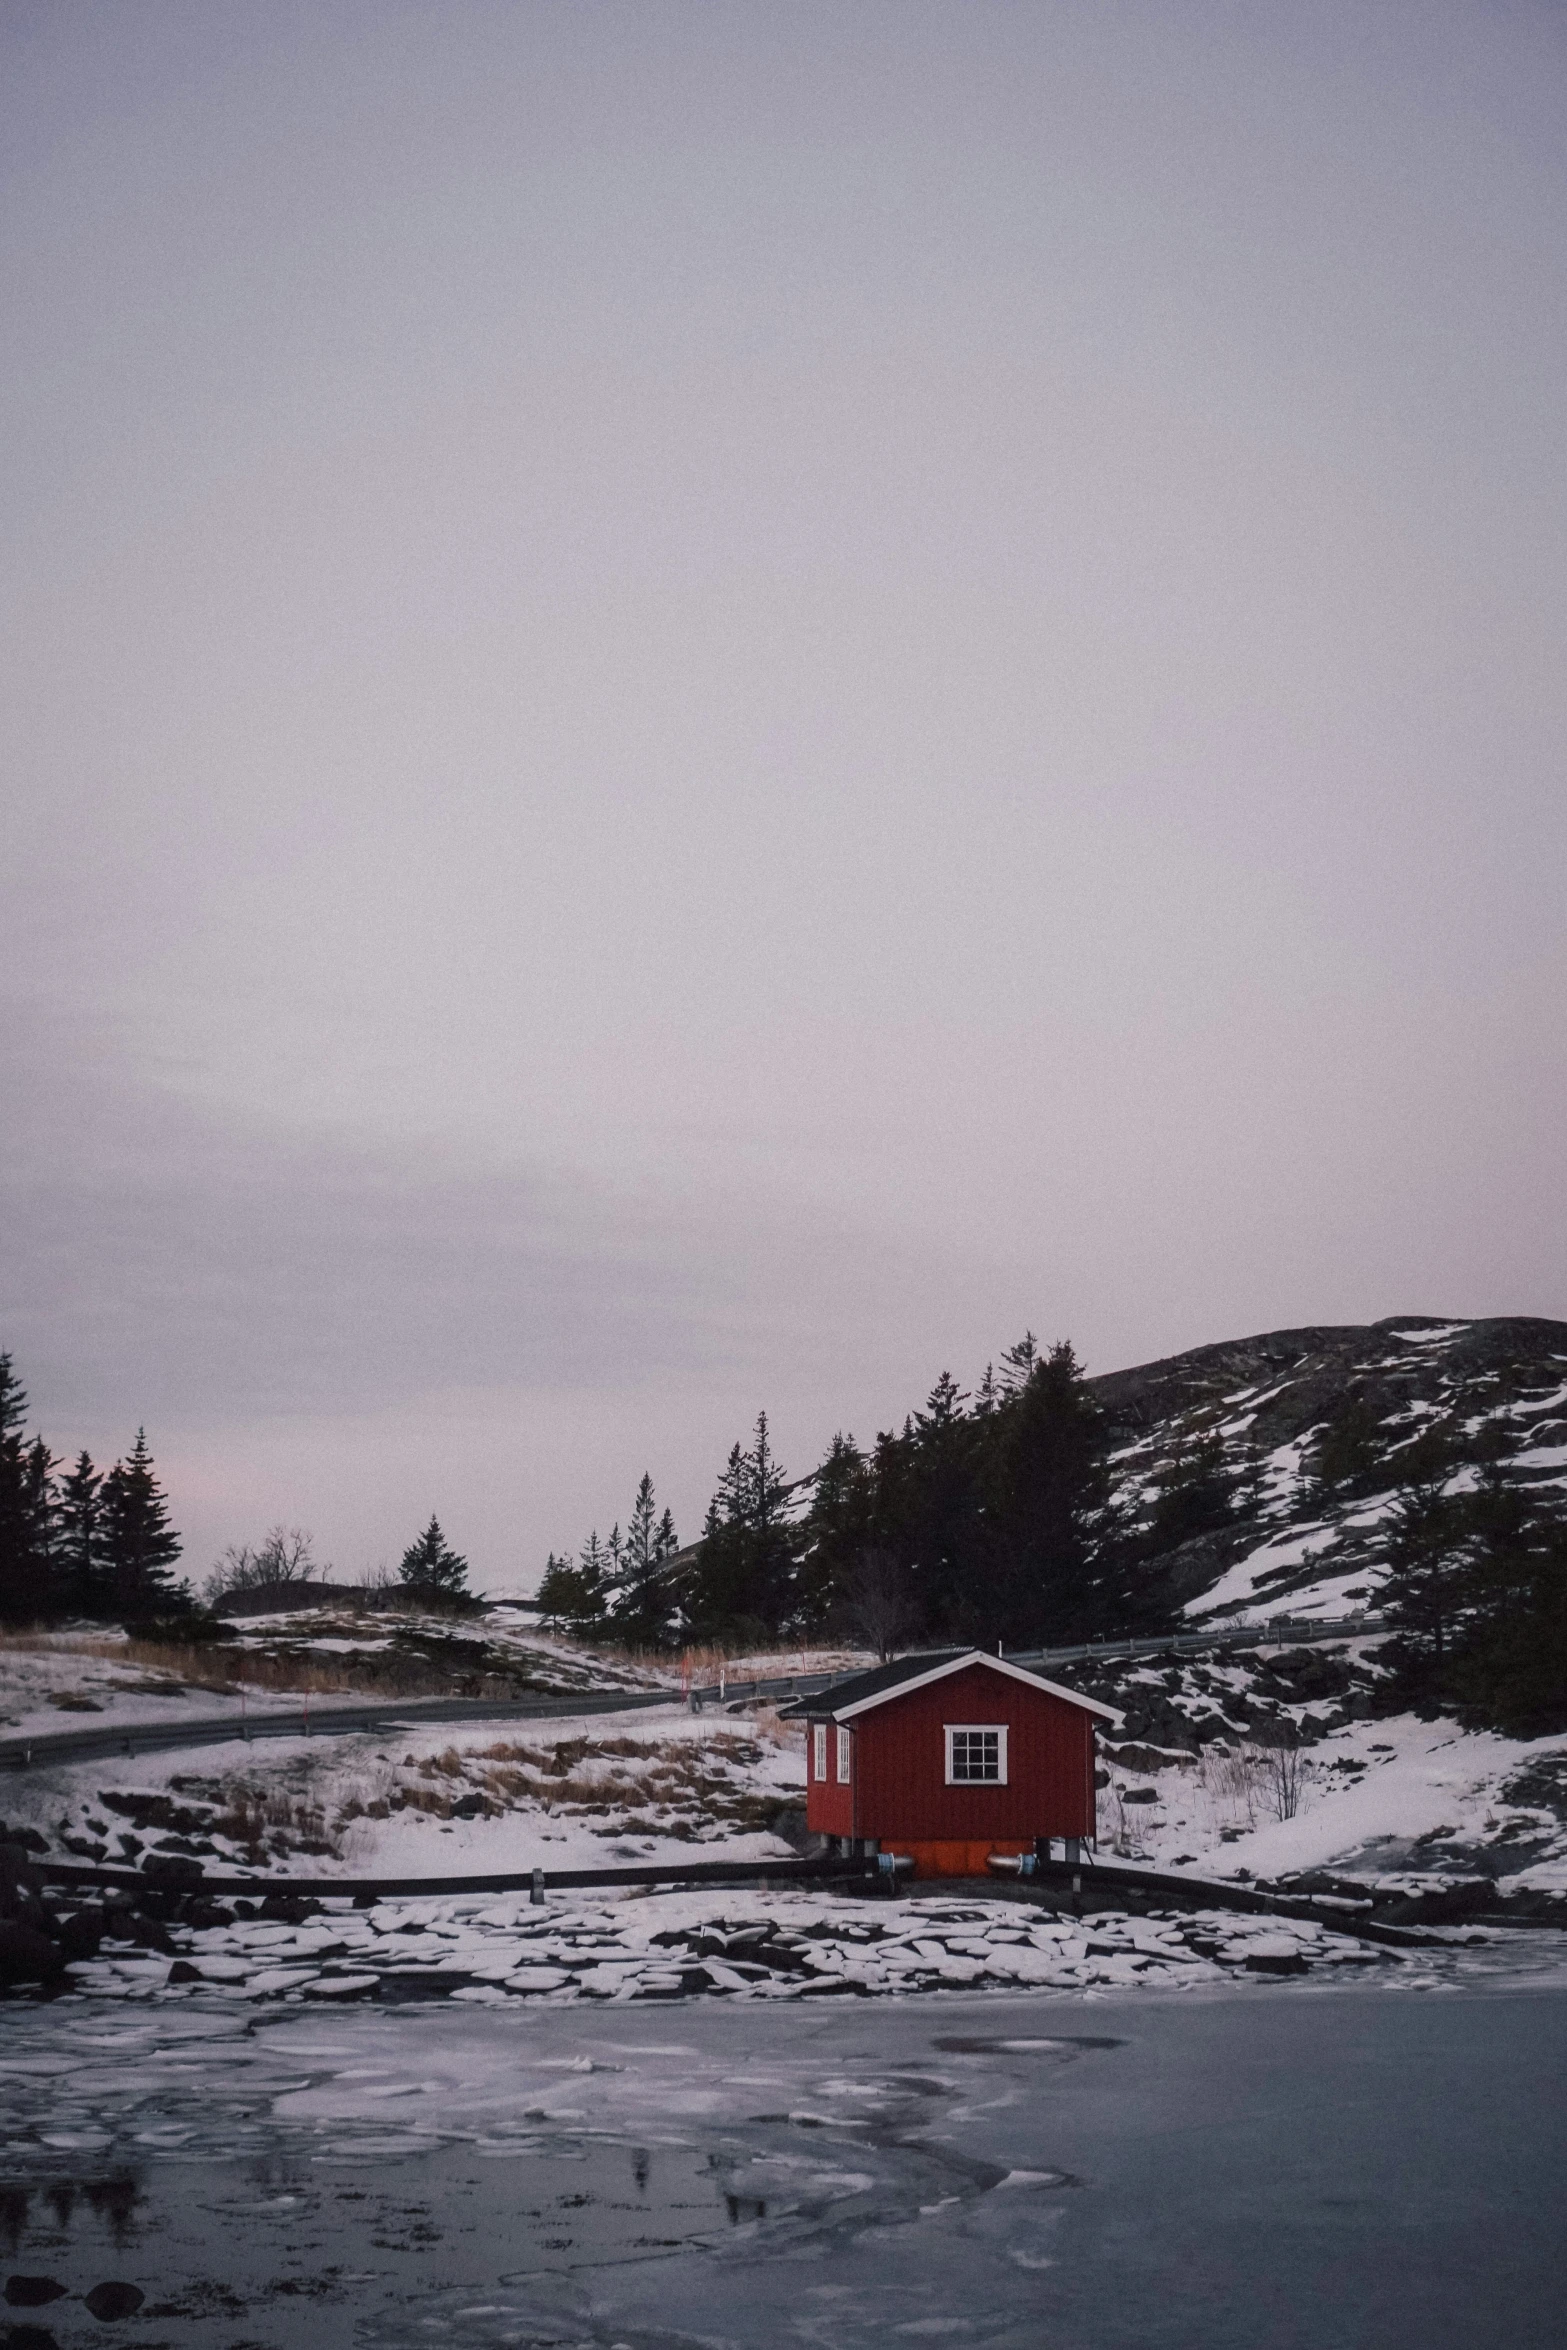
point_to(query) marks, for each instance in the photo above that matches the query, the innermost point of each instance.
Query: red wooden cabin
(948, 1759)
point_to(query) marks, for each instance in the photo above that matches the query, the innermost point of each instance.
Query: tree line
(984, 1518)
(989, 1517)
(79, 1539)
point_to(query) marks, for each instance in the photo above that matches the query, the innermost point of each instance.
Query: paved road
(58, 1746)
(336, 1721)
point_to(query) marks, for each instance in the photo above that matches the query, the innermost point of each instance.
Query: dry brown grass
(689, 1785)
(223, 1671)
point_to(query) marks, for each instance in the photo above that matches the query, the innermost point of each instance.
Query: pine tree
(593, 1567)
(1196, 1494)
(1349, 1447)
(139, 1544)
(644, 1601)
(430, 1564)
(941, 1510)
(1510, 1670)
(720, 1584)
(774, 1544)
(614, 1566)
(81, 1535)
(744, 1581)
(1048, 1485)
(836, 1531)
(571, 1599)
(1426, 1588)
(28, 1586)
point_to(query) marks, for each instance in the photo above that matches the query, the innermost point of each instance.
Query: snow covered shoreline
(716, 1943)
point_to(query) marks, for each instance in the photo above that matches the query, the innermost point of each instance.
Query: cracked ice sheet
(1002, 2171)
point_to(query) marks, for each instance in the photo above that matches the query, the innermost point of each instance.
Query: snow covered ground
(1199, 1782)
(569, 1792)
(59, 1681)
(1290, 1545)
(776, 1944)
(1391, 1799)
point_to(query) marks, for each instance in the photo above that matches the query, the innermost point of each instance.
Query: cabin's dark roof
(860, 1693)
(854, 1686)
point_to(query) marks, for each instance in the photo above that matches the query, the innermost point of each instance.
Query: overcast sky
(704, 704)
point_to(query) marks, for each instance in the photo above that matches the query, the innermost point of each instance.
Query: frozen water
(1297, 2167)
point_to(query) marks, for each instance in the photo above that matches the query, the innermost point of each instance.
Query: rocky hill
(1255, 1477)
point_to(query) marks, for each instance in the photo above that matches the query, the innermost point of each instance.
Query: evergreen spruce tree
(1019, 1363)
(1426, 1591)
(139, 1544)
(570, 1599)
(28, 1583)
(720, 1584)
(1510, 1669)
(557, 1593)
(1196, 1494)
(430, 1564)
(1349, 1449)
(743, 1586)
(1048, 1486)
(81, 1536)
(941, 1515)
(835, 1533)
(614, 1566)
(644, 1601)
(594, 1579)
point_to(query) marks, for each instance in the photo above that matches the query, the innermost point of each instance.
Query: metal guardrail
(64, 1746)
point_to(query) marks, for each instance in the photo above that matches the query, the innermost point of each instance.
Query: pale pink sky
(703, 705)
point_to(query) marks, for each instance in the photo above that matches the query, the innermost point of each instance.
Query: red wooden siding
(900, 1758)
(829, 1807)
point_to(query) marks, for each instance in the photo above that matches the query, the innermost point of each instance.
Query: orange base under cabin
(943, 1858)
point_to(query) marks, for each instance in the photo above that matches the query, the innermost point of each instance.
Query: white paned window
(819, 1752)
(976, 1754)
(845, 1751)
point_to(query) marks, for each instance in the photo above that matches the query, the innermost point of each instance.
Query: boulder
(172, 1872)
(26, 1955)
(109, 2301)
(33, 2292)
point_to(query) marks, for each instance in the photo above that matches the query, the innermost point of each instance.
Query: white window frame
(996, 1730)
(845, 1755)
(819, 1753)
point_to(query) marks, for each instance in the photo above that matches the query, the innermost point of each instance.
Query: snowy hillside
(1236, 1433)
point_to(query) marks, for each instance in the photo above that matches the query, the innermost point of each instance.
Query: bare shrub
(1258, 1780)
(875, 1605)
(1230, 1777)
(286, 1555)
(1282, 1768)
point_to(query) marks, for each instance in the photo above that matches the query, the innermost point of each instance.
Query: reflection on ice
(781, 2176)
